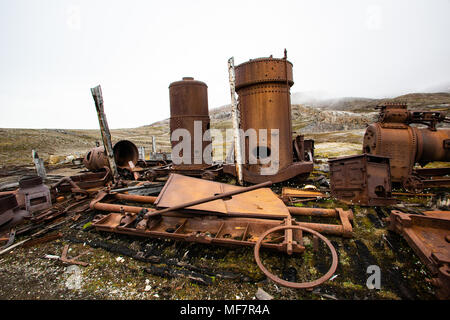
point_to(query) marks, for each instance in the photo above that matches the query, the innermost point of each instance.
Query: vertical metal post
(236, 121)
(104, 129)
(153, 144)
(141, 153)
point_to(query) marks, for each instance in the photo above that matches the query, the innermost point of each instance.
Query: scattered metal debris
(429, 237)
(73, 260)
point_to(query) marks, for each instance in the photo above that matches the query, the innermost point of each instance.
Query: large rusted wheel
(296, 285)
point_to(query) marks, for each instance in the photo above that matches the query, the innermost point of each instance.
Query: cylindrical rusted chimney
(188, 104)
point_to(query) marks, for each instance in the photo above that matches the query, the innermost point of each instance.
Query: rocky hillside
(317, 119)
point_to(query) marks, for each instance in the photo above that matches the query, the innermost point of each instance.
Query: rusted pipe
(118, 208)
(135, 198)
(332, 229)
(319, 212)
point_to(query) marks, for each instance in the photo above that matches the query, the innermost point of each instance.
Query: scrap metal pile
(172, 201)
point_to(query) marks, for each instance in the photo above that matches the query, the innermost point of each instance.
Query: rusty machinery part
(296, 285)
(83, 181)
(10, 213)
(124, 151)
(30, 182)
(11, 238)
(263, 86)
(428, 235)
(346, 217)
(361, 179)
(303, 149)
(136, 214)
(405, 145)
(413, 184)
(186, 227)
(33, 194)
(188, 106)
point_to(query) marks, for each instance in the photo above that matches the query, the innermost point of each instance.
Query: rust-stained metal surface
(124, 151)
(263, 86)
(188, 104)
(393, 137)
(33, 194)
(345, 229)
(256, 203)
(82, 181)
(287, 194)
(362, 179)
(187, 227)
(429, 237)
(10, 213)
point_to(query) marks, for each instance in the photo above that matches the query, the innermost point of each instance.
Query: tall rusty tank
(263, 87)
(406, 145)
(188, 104)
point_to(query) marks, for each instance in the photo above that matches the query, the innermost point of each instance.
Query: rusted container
(263, 86)
(405, 145)
(33, 194)
(124, 151)
(188, 104)
(361, 179)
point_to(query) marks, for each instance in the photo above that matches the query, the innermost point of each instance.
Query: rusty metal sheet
(257, 203)
(429, 237)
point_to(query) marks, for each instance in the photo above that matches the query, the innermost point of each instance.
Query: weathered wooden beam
(104, 129)
(39, 165)
(235, 116)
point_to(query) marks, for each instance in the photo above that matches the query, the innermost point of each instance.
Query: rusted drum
(124, 151)
(188, 106)
(263, 86)
(396, 142)
(432, 146)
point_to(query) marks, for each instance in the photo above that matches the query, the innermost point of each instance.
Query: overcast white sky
(53, 52)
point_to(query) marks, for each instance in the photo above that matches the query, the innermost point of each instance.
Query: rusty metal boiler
(189, 110)
(406, 145)
(263, 87)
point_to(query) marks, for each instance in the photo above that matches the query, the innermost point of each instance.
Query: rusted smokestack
(263, 86)
(189, 103)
